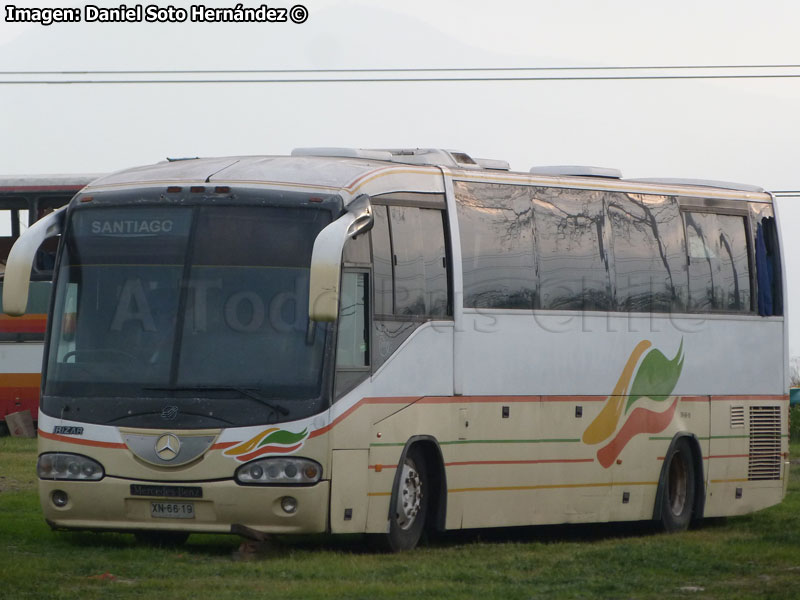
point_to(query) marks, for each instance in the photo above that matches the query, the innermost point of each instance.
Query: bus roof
(353, 171)
(46, 183)
(324, 173)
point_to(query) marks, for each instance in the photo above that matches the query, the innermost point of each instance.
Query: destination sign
(133, 222)
(132, 226)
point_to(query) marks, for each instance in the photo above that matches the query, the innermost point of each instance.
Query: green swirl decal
(284, 437)
(656, 377)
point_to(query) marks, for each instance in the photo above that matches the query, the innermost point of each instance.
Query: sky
(743, 130)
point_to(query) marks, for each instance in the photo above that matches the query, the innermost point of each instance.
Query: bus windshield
(205, 306)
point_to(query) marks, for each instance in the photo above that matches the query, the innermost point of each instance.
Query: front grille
(765, 443)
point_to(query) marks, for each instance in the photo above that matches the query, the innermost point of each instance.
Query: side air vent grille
(737, 417)
(765, 443)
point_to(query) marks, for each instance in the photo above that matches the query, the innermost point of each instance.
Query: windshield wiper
(249, 393)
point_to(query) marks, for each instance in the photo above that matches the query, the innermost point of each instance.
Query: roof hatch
(409, 156)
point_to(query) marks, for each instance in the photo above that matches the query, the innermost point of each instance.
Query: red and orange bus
(23, 200)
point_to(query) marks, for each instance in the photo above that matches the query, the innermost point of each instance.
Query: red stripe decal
(642, 420)
(694, 398)
(573, 398)
(81, 442)
(223, 445)
(352, 409)
(737, 398)
(520, 462)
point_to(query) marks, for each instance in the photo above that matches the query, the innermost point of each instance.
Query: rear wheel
(410, 509)
(678, 489)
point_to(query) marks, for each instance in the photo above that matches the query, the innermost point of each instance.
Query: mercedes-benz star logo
(168, 446)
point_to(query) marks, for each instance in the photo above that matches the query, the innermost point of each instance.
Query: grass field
(756, 556)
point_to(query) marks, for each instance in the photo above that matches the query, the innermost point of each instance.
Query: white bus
(23, 200)
(389, 341)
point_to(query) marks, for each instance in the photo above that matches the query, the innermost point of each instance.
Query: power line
(403, 70)
(396, 79)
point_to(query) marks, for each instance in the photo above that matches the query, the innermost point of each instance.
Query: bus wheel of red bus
(678, 487)
(161, 539)
(407, 518)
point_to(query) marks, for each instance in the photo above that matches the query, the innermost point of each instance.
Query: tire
(678, 488)
(410, 510)
(161, 539)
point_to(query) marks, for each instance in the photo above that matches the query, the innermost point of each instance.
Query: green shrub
(794, 426)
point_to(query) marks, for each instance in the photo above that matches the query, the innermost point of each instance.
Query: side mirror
(20, 261)
(326, 258)
(362, 209)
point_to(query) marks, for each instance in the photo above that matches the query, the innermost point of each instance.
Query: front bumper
(109, 505)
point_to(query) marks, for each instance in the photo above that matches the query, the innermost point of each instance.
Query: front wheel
(678, 489)
(410, 508)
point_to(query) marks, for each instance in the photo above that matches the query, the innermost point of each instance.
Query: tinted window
(212, 296)
(496, 245)
(573, 267)
(409, 269)
(382, 263)
(351, 344)
(649, 263)
(767, 260)
(719, 267)
(431, 223)
(409, 262)
(246, 317)
(356, 250)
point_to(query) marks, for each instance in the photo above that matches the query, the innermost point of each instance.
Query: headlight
(74, 467)
(279, 471)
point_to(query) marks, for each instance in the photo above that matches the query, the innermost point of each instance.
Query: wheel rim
(409, 495)
(678, 484)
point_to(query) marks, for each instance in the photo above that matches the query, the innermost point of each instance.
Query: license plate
(172, 510)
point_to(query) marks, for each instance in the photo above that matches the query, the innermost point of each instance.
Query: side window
(46, 256)
(495, 222)
(409, 258)
(356, 251)
(382, 262)
(719, 264)
(649, 263)
(409, 268)
(767, 260)
(12, 223)
(573, 260)
(352, 341)
(434, 252)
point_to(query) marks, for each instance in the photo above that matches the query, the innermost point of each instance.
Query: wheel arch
(437, 477)
(699, 480)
